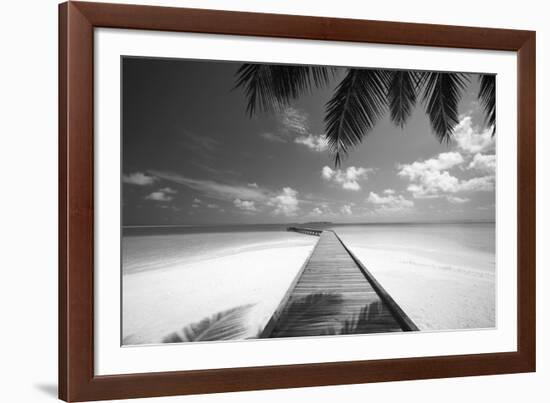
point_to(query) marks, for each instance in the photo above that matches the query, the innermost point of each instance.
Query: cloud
(294, 127)
(159, 196)
(473, 139)
(138, 178)
(212, 205)
(419, 169)
(480, 184)
(349, 178)
(316, 211)
(253, 185)
(346, 209)
(294, 120)
(276, 138)
(216, 190)
(313, 141)
(389, 203)
(431, 178)
(245, 197)
(483, 162)
(389, 191)
(286, 202)
(457, 200)
(200, 143)
(246, 205)
(162, 195)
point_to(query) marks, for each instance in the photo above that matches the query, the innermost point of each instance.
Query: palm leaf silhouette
(359, 100)
(442, 93)
(487, 97)
(363, 96)
(224, 325)
(274, 86)
(402, 92)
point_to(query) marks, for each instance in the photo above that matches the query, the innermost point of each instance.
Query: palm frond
(269, 86)
(402, 93)
(487, 97)
(442, 93)
(359, 100)
(225, 325)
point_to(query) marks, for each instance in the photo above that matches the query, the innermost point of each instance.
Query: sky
(193, 156)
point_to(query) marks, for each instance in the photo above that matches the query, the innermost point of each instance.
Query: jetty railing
(308, 231)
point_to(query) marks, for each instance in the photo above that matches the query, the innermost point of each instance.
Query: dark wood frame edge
(77, 381)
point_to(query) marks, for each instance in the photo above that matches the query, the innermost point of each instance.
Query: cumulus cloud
(389, 191)
(246, 205)
(138, 178)
(346, 209)
(314, 142)
(473, 139)
(431, 178)
(286, 202)
(480, 184)
(390, 202)
(162, 195)
(348, 178)
(159, 196)
(253, 185)
(418, 169)
(483, 162)
(316, 211)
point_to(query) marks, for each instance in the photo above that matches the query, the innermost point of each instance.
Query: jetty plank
(335, 294)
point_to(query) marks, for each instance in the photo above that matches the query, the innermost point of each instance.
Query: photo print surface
(263, 201)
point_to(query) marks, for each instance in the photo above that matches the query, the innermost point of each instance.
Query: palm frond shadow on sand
(230, 324)
(309, 315)
(372, 318)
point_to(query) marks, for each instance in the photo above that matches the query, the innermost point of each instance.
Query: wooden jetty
(334, 293)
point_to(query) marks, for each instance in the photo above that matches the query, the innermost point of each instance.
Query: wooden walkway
(335, 294)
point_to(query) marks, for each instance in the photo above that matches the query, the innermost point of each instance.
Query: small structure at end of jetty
(307, 231)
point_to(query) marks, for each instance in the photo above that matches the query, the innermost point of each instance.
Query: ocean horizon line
(325, 223)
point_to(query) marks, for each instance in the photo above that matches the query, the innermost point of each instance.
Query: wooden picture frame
(77, 21)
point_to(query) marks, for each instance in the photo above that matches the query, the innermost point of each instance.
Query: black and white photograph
(270, 200)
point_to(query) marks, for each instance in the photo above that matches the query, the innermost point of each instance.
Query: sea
(152, 247)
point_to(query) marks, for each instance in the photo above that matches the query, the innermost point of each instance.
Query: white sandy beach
(442, 277)
(159, 302)
(435, 296)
